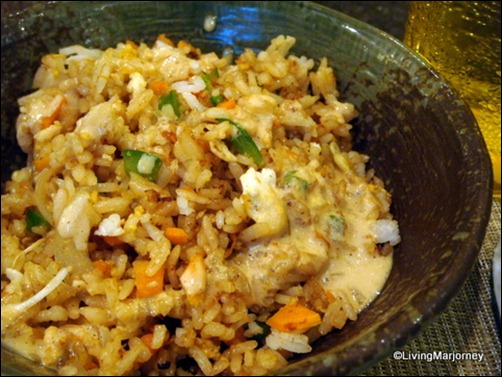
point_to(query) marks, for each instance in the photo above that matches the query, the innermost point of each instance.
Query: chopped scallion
(265, 332)
(208, 78)
(143, 163)
(244, 143)
(336, 226)
(291, 178)
(215, 100)
(34, 219)
(172, 100)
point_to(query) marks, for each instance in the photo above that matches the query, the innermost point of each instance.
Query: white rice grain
(297, 343)
(386, 231)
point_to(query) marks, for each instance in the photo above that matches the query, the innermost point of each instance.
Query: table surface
(471, 323)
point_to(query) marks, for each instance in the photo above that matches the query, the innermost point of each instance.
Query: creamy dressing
(358, 275)
(329, 236)
(276, 265)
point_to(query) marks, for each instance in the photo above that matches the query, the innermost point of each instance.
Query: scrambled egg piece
(264, 205)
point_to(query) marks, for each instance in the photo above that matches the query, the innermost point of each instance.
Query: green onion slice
(171, 99)
(215, 100)
(208, 78)
(291, 178)
(142, 163)
(244, 143)
(336, 226)
(34, 219)
(265, 332)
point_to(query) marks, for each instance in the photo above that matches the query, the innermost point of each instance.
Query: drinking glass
(461, 39)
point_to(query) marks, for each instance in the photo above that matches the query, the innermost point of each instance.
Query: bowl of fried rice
(226, 188)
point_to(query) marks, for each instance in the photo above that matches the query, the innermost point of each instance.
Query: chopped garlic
(110, 226)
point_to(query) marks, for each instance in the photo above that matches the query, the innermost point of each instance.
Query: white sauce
(358, 275)
(349, 267)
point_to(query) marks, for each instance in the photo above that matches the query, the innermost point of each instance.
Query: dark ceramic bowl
(423, 141)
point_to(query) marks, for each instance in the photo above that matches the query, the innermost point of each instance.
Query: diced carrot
(229, 104)
(158, 87)
(147, 285)
(112, 241)
(170, 136)
(204, 144)
(48, 120)
(176, 235)
(90, 365)
(147, 340)
(294, 317)
(102, 266)
(41, 163)
(162, 37)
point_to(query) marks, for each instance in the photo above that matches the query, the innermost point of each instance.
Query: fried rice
(184, 213)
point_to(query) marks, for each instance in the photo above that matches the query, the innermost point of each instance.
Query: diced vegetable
(102, 266)
(294, 318)
(244, 143)
(41, 163)
(336, 226)
(147, 286)
(48, 120)
(112, 240)
(143, 163)
(34, 219)
(176, 235)
(158, 87)
(291, 178)
(171, 99)
(229, 104)
(216, 100)
(265, 331)
(147, 341)
(208, 79)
